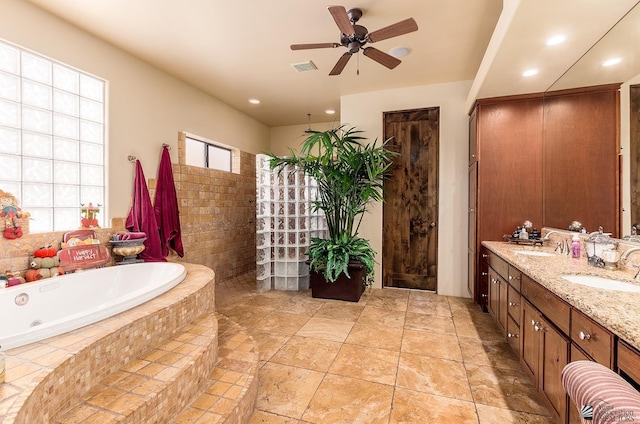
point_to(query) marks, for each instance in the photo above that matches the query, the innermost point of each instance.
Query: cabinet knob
(512, 335)
(584, 336)
(494, 281)
(470, 210)
(511, 277)
(484, 255)
(484, 274)
(484, 295)
(536, 325)
(513, 304)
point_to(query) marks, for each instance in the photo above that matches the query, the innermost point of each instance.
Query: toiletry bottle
(575, 246)
(523, 234)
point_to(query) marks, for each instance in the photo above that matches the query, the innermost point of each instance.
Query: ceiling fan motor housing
(355, 41)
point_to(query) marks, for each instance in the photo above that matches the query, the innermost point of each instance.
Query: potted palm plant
(349, 175)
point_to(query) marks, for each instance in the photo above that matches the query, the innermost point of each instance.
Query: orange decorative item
(89, 214)
(45, 252)
(32, 275)
(11, 214)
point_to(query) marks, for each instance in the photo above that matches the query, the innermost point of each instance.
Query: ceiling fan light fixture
(305, 66)
(401, 51)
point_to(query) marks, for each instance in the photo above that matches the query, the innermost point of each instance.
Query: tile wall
(217, 215)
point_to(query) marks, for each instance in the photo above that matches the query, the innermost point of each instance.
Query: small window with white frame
(52, 138)
(209, 154)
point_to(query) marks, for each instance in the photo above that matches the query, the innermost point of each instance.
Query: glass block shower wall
(285, 226)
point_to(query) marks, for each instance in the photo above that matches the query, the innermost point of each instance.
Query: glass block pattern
(52, 124)
(285, 225)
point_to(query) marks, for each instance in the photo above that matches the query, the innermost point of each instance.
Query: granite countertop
(617, 311)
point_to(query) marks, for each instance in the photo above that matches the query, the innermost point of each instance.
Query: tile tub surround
(617, 311)
(45, 378)
(303, 376)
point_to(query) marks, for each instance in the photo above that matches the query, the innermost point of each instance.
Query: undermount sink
(532, 253)
(602, 283)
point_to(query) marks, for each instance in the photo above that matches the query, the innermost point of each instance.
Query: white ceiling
(239, 49)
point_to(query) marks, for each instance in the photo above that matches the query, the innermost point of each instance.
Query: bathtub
(36, 311)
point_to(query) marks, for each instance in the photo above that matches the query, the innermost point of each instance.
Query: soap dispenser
(575, 246)
(523, 234)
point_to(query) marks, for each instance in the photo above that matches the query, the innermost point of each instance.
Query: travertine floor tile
(261, 417)
(286, 390)
(504, 388)
(306, 352)
(451, 362)
(371, 364)
(493, 415)
(344, 311)
(434, 323)
(281, 323)
(326, 329)
(374, 316)
(433, 375)
(497, 353)
(427, 343)
(410, 406)
(344, 400)
(268, 343)
(378, 336)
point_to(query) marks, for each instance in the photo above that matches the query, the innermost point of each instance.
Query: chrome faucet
(562, 247)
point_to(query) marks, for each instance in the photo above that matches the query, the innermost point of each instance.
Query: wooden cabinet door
(530, 340)
(494, 294)
(554, 355)
(502, 303)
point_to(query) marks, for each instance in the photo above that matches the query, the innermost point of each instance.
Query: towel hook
(131, 158)
(168, 146)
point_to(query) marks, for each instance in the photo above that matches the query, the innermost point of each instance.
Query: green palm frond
(350, 175)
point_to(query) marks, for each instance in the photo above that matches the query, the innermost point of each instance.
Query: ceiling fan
(354, 37)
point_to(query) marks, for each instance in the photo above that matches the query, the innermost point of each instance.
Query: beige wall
(146, 106)
(365, 111)
(292, 136)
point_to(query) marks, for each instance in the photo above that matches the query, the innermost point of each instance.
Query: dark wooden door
(410, 216)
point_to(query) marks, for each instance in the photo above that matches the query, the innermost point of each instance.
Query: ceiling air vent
(305, 66)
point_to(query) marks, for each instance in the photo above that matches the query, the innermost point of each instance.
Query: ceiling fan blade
(339, 14)
(314, 46)
(339, 66)
(399, 28)
(381, 57)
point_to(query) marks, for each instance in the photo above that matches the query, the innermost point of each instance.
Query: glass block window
(52, 124)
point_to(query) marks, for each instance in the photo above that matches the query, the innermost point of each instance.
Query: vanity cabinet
(559, 143)
(544, 349)
(595, 342)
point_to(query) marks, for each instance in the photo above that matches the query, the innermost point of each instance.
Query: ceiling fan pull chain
(358, 64)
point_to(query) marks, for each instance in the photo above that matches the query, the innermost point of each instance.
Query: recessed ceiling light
(329, 111)
(557, 39)
(254, 101)
(612, 62)
(529, 73)
(400, 51)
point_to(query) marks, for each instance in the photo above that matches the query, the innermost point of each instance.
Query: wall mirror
(619, 47)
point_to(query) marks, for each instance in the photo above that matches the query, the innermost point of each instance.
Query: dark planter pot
(344, 288)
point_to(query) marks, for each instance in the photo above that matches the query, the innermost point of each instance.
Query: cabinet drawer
(513, 335)
(514, 277)
(548, 303)
(499, 265)
(513, 304)
(629, 361)
(594, 339)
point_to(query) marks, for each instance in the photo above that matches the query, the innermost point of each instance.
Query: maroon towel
(143, 219)
(166, 207)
